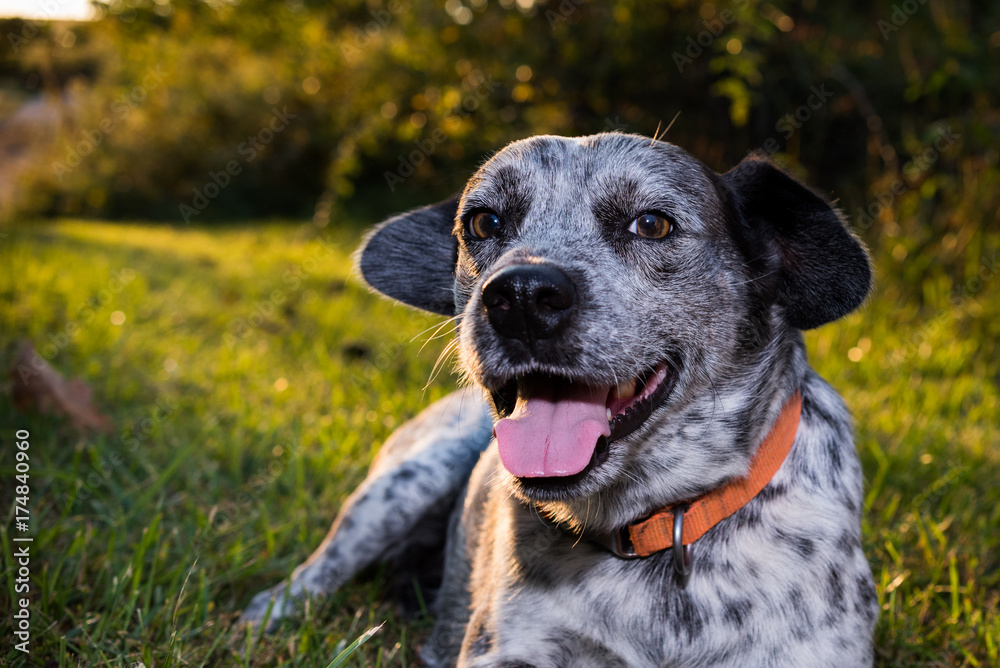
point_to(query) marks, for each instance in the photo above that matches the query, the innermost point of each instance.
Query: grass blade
(353, 647)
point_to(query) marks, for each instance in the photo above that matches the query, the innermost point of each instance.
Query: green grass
(253, 378)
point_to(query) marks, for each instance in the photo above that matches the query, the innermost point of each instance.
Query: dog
(643, 470)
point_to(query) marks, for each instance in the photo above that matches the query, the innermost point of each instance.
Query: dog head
(605, 289)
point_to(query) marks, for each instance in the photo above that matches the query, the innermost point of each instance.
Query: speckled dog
(630, 321)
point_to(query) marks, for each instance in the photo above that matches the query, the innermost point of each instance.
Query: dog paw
(256, 612)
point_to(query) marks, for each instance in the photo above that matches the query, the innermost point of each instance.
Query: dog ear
(822, 269)
(412, 257)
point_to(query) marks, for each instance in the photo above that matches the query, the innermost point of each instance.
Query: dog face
(604, 287)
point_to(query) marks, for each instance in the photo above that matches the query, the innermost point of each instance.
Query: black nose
(529, 301)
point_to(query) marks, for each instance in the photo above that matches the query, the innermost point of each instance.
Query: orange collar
(656, 532)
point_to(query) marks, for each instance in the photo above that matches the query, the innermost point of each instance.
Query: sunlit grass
(252, 377)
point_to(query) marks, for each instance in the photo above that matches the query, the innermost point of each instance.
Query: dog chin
(564, 488)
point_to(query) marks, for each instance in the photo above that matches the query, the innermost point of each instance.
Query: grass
(252, 379)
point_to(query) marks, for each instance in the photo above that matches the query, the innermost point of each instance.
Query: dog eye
(484, 225)
(651, 226)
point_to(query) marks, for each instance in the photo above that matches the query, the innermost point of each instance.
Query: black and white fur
(755, 257)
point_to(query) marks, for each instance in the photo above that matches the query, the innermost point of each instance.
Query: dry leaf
(38, 386)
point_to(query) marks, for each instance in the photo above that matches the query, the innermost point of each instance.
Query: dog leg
(420, 471)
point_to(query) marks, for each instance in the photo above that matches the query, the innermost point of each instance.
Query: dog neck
(689, 521)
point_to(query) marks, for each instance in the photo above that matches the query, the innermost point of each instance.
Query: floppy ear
(822, 269)
(412, 257)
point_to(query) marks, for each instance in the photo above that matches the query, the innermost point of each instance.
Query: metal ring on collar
(682, 552)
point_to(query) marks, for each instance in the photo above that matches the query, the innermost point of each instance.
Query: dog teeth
(609, 414)
(625, 389)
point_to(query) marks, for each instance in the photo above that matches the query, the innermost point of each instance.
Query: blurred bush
(197, 111)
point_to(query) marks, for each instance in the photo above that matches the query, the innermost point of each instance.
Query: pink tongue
(553, 433)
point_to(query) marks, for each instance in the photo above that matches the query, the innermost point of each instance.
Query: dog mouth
(554, 431)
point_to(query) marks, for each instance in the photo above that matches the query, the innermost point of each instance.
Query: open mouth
(555, 431)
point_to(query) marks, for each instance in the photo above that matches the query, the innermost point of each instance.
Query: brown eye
(484, 225)
(651, 226)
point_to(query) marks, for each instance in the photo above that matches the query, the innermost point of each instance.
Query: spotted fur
(755, 258)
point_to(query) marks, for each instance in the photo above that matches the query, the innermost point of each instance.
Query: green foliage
(252, 378)
(385, 88)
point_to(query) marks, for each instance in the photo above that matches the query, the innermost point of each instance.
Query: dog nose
(529, 301)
